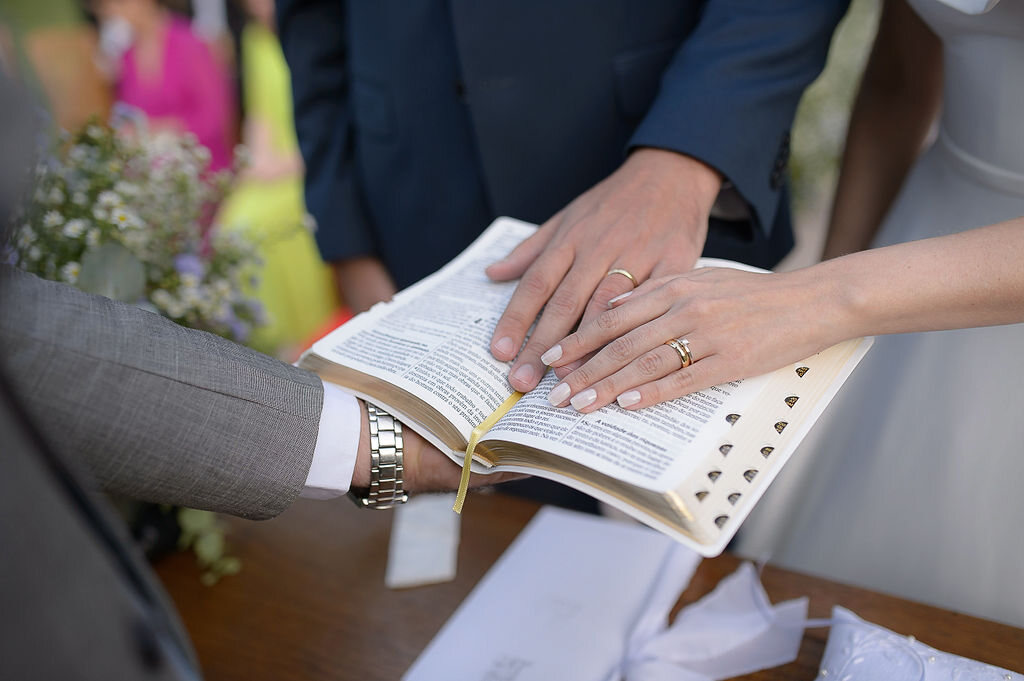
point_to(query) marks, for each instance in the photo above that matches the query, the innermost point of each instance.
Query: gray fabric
(104, 382)
(155, 411)
(77, 607)
(16, 137)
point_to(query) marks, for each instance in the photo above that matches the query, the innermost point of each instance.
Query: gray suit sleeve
(155, 411)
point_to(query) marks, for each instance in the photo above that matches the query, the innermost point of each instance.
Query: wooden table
(310, 602)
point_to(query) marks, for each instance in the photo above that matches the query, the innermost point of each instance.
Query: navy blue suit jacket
(422, 120)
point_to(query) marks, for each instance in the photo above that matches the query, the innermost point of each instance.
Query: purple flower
(239, 330)
(257, 313)
(8, 256)
(189, 263)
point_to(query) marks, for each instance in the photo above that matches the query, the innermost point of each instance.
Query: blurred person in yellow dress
(267, 203)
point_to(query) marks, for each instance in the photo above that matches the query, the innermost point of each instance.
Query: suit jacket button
(460, 89)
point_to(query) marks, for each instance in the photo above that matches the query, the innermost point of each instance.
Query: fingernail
(558, 394)
(552, 355)
(505, 346)
(628, 399)
(619, 297)
(584, 399)
(524, 374)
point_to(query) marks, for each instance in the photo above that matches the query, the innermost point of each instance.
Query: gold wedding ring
(625, 273)
(681, 346)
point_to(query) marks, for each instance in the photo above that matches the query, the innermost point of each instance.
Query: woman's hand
(737, 324)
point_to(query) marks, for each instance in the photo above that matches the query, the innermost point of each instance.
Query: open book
(692, 468)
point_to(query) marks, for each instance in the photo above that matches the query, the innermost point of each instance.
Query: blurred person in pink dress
(167, 72)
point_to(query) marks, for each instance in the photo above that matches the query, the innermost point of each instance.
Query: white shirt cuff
(337, 443)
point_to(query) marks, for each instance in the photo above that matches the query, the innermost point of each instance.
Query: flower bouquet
(127, 216)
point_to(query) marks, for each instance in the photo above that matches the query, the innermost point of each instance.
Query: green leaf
(193, 520)
(185, 540)
(228, 565)
(113, 271)
(209, 547)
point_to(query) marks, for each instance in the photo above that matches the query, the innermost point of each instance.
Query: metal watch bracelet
(386, 463)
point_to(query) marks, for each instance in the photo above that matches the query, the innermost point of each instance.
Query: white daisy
(53, 219)
(176, 309)
(202, 155)
(162, 297)
(190, 295)
(108, 199)
(123, 219)
(70, 272)
(222, 288)
(26, 237)
(135, 240)
(75, 228)
(126, 188)
(77, 154)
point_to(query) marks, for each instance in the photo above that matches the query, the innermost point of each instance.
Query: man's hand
(649, 218)
(426, 469)
(363, 282)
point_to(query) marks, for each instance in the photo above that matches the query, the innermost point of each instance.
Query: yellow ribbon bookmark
(474, 438)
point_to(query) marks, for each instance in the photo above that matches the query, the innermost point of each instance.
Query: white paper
(424, 544)
(561, 603)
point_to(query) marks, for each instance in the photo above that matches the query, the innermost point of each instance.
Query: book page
(433, 339)
(656, 447)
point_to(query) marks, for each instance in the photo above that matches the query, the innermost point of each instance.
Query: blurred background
(201, 86)
(820, 128)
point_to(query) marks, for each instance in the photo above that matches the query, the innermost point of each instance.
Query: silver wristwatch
(386, 469)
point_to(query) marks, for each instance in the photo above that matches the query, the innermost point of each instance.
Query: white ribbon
(734, 630)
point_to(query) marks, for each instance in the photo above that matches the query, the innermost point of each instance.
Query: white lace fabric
(858, 650)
